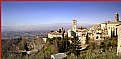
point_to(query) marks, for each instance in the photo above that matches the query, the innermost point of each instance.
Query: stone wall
(119, 40)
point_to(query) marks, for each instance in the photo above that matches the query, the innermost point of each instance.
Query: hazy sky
(35, 13)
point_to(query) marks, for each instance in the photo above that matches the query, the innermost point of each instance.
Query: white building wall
(111, 27)
(74, 25)
(49, 35)
(52, 35)
(103, 26)
(82, 40)
(119, 41)
(78, 34)
(69, 33)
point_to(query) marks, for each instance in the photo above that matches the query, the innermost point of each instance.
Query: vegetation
(105, 50)
(11, 48)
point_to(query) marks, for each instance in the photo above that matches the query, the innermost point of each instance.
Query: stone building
(97, 35)
(82, 34)
(60, 33)
(84, 38)
(71, 34)
(112, 29)
(74, 26)
(103, 26)
(111, 26)
(55, 34)
(80, 31)
(116, 17)
(119, 40)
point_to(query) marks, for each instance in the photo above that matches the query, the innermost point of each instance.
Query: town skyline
(48, 30)
(37, 13)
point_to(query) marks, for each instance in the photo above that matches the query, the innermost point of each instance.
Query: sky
(36, 13)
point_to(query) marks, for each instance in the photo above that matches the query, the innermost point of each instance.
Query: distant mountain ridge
(41, 27)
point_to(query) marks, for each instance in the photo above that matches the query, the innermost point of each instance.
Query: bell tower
(74, 25)
(116, 17)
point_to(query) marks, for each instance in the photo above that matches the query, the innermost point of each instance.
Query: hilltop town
(101, 41)
(97, 33)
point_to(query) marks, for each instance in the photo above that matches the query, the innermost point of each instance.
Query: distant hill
(46, 27)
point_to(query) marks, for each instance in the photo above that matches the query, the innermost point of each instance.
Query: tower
(116, 17)
(74, 25)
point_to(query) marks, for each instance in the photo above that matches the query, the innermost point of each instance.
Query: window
(97, 37)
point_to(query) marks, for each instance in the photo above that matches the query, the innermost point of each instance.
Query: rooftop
(55, 33)
(114, 22)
